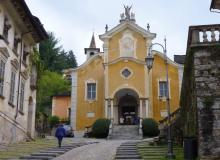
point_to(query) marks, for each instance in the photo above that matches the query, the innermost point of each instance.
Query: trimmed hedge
(150, 127)
(100, 128)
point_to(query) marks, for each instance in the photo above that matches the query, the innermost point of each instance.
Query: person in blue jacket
(60, 133)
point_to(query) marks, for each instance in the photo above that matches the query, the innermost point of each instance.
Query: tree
(54, 57)
(71, 60)
(49, 84)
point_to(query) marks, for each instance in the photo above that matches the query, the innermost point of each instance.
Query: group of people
(132, 120)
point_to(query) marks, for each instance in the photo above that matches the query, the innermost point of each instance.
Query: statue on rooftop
(127, 11)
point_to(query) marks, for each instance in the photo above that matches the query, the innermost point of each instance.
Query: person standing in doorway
(60, 133)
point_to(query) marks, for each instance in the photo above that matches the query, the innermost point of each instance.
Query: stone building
(116, 83)
(20, 32)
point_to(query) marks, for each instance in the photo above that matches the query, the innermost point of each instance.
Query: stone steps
(51, 153)
(125, 132)
(127, 151)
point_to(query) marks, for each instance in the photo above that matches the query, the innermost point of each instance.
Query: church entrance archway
(127, 107)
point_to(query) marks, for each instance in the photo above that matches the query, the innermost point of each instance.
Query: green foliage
(100, 128)
(54, 57)
(49, 84)
(150, 127)
(53, 121)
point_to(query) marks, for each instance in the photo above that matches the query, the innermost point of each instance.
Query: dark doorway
(128, 110)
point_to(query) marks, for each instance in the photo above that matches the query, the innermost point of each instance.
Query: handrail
(171, 115)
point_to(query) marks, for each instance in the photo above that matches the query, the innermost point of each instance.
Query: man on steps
(60, 133)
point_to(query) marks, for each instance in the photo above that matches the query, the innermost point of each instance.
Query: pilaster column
(106, 108)
(141, 116)
(112, 109)
(141, 109)
(147, 108)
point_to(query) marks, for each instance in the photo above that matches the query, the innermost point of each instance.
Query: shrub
(100, 128)
(53, 121)
(150, 127)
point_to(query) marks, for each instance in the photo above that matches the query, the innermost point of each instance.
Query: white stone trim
(127, 69)
(124, 25)
(125, 58)
(67, 71)
(91, 81)
(125, 86)
(73, 100)
(168, 59)
(147, 108)
(106, 108)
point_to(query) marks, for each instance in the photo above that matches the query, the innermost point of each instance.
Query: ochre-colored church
(116, 83)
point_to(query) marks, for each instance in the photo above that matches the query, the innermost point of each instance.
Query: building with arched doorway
(116, 83)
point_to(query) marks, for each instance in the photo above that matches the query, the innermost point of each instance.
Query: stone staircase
(51, 153)
(128, 150)
(125, 132)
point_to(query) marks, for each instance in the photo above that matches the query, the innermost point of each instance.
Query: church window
(126, 73)
(91, 91)
(163, 88)
(92, 53)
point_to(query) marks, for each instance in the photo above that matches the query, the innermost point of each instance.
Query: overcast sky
(73, 21)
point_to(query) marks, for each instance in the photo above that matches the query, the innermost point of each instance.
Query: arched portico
(126, 107)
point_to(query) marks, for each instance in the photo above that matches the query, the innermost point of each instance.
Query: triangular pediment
(127, 25)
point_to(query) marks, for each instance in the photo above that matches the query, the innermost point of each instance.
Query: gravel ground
(105, 150)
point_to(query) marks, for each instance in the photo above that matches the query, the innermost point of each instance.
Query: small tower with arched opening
(92, 50)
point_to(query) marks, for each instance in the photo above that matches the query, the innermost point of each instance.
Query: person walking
(60, 133)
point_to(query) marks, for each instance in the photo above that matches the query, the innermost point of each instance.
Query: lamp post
(149, 62)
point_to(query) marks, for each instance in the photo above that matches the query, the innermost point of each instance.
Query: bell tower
(92, 50)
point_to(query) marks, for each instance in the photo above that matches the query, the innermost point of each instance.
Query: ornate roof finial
(127, 12)
(92, 43)
(148, 27)
(127, 15)
(106, 28)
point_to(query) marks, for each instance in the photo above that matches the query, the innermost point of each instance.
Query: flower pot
(190, 148)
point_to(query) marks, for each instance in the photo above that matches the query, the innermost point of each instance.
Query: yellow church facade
(117, 84)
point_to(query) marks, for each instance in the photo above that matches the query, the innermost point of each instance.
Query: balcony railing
(203, 35)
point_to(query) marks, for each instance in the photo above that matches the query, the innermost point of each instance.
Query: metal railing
(164, 122)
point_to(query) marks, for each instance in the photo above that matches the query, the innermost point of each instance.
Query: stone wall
(10, 133)
(207, 83)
